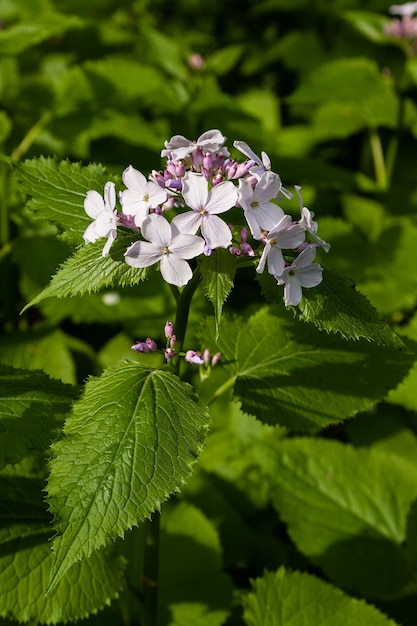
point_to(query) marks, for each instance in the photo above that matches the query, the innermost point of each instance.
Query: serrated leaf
(129, 443)
(289, 373)
(57, 190)
(192, 587)
(285, 598)
(26, 559)
(218, 272)
(355, 505)
(32, 410)
(336, 306)
(88, 271)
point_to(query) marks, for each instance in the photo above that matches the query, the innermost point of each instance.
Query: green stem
(378, 159)
(151, 567)
(221, 390)
(31, 135)
(183, 310)
(392, 149)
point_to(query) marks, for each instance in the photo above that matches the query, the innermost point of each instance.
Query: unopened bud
(194, 357)
(169, 329)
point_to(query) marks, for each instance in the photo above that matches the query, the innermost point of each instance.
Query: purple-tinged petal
(111, 238)
(195, 191)
(221, 198)
(186, 223)
(216, 232)
(110, 196)
(143, 254)
(264, 256)
(157, 229)
(187, 246)
(134, 180)
(276, 263)
(267, 187)
(292, 292)
(175, 270)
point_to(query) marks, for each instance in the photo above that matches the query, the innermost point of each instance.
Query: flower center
(165, 250)
(254, 204)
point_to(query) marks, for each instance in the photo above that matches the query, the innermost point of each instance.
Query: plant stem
(31, 135)
(221, 390)
(183, 310)
(378, 159)
(151, 567)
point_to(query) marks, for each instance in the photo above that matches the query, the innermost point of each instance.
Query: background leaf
(26, 559)
(286, 598)
(354, 512)
(130, 442)
(32, 411)
(218, 271)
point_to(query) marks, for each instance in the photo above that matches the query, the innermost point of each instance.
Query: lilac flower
(286, 234)
(308, 223)
(205, 206)
(178, 147)
(140, 196)
(301, 273)
(104, 214)
(406, 9)
(260, 212)
(166, 245)
(263, 163)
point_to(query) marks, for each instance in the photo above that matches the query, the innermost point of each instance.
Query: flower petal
(292, 292)
(134, 180)
(187, 246)
(306, 257)
(143, 254)
(157, 229)
(216, 232)
(310, 276)
(267, 187)
(110, 196)
(187, 223)
(175, 270)
(93, 204)
(221, 198)
(276, 263)
(195, 191)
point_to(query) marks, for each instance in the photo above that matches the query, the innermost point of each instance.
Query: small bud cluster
(201, 182)
(191, 356)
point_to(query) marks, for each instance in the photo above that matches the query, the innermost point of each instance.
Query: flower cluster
(191, 356)
(405, 26)
(201, 182)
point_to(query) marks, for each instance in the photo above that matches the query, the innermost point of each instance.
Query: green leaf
(130, 442)
(371, 25)
(19, 37)
(218, 272)
(336, 306)
(354, 510)
(289, 373)
(285, 598)
(26, 559)
(32, 410)
(88, 271)
(57, 191)
(192, 587)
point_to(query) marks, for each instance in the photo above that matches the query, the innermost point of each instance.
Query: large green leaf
(130, 442)
(354, 507)
(88, 271)
(192, 587)
(32, 410)
(57, 191)
(26, 559)
(289, 373)
(218, 271)
(18, 37)
(285, 598)
(336, 306)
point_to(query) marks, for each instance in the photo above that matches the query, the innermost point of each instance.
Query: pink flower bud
(172, 341)
(169, 353)
(194, 357)
(216, 358)
(169, 329)
(151, 344)
(141, 346)
(235, 251)
(206, 356)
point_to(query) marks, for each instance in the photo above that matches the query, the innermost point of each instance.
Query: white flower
(263, 165)
(285, 234)
(178, 147)
(166, 245)
(407, 9)
(260, 212)
(103, 212)
(140, 196)
(301, 273)
(307, 222)
(205, 206)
